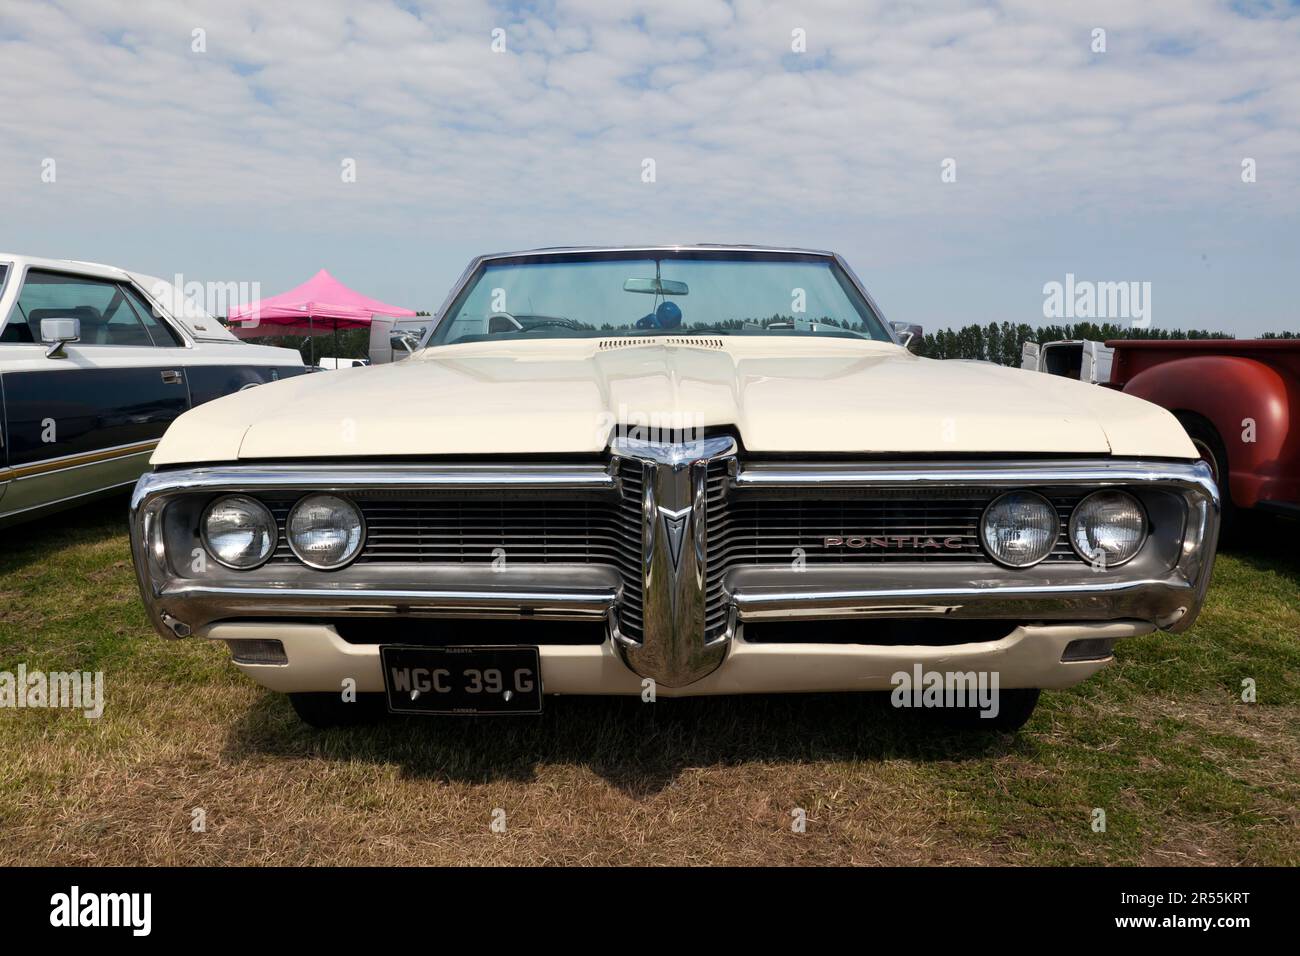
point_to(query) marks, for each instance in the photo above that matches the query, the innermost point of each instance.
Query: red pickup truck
(1239, 400)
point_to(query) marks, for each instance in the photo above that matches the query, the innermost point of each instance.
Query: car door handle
(172, 377)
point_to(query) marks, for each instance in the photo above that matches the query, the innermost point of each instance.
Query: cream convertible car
(670, 472)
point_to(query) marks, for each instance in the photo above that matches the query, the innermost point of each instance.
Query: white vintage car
(95, 363)
(670, 471)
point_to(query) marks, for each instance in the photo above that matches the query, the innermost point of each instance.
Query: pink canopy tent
(321, 304)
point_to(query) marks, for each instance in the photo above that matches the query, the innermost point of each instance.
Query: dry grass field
(1186, 772)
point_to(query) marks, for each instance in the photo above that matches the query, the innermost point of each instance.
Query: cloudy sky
(212, 139)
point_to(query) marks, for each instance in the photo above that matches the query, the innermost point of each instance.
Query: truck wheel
(330, 710)
(1015, 707)
(1210, 447)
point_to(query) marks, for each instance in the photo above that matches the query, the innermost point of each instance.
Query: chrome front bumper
(1164, 590)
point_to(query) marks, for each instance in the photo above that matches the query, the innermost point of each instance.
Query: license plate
(462, 680)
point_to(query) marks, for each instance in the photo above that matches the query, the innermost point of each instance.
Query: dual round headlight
(1107, 528)
(1019, 529)
(324, 531)
(238, 531)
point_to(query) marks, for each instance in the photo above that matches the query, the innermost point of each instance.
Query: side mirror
(391, 343)
(404, 344)
(908, 335)
(56, 333)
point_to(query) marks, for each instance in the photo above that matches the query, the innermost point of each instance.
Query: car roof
(201, 327)
(74, 265)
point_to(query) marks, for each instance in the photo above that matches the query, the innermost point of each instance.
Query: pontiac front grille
(779, 531)
(671, 541)
(742, 530)
(480, 530)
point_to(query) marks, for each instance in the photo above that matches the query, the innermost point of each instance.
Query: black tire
(1015, 707)
(323, 711)
(1207, 441)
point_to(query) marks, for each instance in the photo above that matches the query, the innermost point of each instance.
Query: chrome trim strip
(50, 506)
(325, 478)
(1162, 600)
(202, 604)
(678, 247)
(975, 474)
(80, 460)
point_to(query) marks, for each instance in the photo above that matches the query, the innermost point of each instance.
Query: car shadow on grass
(33, 541)
(638, 748)
(1266, 543)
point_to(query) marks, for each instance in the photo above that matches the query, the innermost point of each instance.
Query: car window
(162, 334)
(16, 330)
(103, 308)
(669, 292)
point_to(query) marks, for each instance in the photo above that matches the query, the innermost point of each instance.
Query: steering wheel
(549, 324)
(503, 322)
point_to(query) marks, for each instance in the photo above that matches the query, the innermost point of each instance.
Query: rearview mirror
(57, 333)
(656, 286)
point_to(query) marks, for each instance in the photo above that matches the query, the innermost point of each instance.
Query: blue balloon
(667, 316)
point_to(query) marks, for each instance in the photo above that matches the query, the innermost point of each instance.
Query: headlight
(325, 531)
(1108, 527)
(1019, 529)
(238, 532)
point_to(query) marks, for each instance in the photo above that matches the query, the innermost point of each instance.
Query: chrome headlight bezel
(984, 526)
(313, 562)
(1075, 519)
(265, 515)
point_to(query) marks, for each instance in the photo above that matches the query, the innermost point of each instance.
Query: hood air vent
(673, 341)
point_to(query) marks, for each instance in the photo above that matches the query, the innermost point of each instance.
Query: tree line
(1000, 342)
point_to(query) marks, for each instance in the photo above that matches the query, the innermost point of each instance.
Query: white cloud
(549, 136)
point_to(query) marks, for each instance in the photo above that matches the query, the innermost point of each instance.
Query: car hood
(566, 396)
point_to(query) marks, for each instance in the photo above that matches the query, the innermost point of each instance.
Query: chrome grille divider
(674, 649)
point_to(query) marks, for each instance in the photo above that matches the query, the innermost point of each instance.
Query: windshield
(678, 293)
